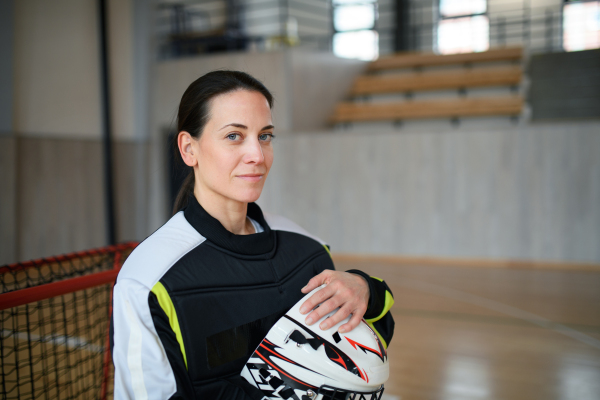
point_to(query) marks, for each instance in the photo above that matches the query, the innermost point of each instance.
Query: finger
(353, 323)
(334, 319)
(318, 298)
(324, 309)
(345, 310)
(315, 282)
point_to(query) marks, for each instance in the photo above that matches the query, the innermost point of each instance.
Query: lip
(251, 177)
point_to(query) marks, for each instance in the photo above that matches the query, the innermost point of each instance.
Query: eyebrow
(242, 126)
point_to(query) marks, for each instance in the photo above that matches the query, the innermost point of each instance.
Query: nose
(254, 152)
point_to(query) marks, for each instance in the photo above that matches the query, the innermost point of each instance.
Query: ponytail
(187, 188)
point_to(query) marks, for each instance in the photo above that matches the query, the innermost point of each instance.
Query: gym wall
(486, 188)
(492, 189)
(52, 197)
(520, 192)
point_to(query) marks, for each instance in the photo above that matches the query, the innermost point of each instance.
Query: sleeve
(150, 362)
(145, 366)
(381, 300)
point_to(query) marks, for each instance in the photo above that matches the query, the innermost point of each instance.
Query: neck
(230, 213)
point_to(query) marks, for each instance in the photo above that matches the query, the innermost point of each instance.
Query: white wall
(524, 192)
(56, 68)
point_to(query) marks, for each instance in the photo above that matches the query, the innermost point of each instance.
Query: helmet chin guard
(298, 362)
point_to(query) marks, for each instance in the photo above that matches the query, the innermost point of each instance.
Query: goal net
(54, 321)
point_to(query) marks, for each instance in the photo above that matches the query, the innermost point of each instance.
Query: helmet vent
(336, 337)
(300, 339)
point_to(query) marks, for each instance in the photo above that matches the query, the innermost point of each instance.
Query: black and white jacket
(193, 301)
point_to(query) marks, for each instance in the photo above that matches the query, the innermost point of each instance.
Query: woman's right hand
(349, 292)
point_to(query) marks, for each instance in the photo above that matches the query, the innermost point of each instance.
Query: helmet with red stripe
(298, 362)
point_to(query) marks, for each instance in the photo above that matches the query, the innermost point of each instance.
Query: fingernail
(309, 321)
(341, 330)
(303, 310)
(324, 326)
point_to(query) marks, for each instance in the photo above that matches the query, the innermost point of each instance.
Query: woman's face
(235, 151)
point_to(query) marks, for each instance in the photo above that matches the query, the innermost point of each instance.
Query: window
(581, 25)
(354, 29)
(463, 26)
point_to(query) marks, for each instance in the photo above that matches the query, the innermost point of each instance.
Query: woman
(195, 298)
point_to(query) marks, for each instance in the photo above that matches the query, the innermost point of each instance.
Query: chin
(249, 197)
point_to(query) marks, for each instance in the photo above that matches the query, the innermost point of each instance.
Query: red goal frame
(23, 296)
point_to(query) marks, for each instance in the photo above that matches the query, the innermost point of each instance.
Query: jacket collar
(256, 244)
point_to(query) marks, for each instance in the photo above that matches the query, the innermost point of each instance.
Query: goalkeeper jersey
(193, 301)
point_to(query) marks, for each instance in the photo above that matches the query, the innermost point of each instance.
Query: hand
(349, 292)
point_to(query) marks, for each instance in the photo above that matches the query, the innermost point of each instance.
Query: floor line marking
(70, 342)
(477, 318)
(499, 307)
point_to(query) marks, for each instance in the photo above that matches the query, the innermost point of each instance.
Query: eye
(266, 137)
(234, 136)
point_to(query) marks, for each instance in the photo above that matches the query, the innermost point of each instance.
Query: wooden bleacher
(423, 80)
(420, 60)
(503, 76)
(469, 107)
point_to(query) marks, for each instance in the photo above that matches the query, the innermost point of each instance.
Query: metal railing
(538, 29)
(208, 26)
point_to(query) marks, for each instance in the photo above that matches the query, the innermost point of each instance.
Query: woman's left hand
(349, 292)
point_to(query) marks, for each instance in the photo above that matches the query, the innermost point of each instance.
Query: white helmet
(298, 362)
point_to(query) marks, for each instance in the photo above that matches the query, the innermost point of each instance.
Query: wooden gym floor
(491, 333)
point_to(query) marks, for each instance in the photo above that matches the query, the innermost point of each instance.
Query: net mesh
(56, 348)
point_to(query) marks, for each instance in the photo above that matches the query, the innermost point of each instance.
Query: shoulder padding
(152, 258)
(279, 223)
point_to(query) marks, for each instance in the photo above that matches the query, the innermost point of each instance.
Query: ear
(186, 148)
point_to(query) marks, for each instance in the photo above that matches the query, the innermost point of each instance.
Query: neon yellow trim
(389, 302)
(327, 250)
(379, 279)
(377, 333)
(167, 305)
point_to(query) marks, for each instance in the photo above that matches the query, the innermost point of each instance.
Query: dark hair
(194, 113)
